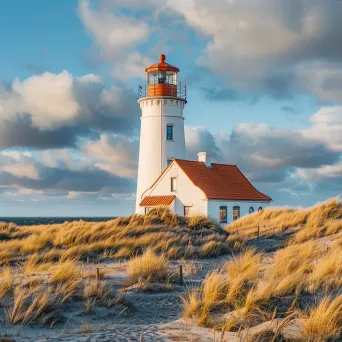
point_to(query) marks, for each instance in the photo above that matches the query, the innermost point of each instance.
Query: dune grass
(65, 272)
(300, 281)
(31, 305)
(323, 322)
(148, 266)
(42, 299)
(6, 281)
(124, 237)
(323, 219)
(47, 260)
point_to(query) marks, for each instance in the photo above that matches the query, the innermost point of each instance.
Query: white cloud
(54, 110)
(48, 97)
(199, 139)
(270, 46)
(324, 81)
(115, 154)
(112, 32)
(327, 127)
(117, 37)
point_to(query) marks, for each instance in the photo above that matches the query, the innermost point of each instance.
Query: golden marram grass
(300, 283)
(159, 230)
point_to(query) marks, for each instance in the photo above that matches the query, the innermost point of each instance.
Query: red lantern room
(162, 80)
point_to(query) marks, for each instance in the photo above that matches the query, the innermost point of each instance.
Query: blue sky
(264, 91)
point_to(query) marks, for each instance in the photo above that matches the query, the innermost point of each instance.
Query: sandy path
(152, 316)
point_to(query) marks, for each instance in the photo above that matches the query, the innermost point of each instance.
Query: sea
(32, 221)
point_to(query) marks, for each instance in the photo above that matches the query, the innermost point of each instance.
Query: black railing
(146, 90)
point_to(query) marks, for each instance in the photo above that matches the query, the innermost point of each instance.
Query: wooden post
(141, 338)
(181, 275)
(258, 233)
(97, 274)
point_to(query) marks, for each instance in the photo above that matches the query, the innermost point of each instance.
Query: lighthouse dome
(162, 65)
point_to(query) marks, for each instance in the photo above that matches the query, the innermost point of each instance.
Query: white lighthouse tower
(162, 139)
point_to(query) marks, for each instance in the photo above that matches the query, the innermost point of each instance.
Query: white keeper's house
(219, 191)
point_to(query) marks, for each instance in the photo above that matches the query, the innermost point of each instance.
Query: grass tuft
(148, 266)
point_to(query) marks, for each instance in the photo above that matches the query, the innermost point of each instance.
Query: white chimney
(204, 158)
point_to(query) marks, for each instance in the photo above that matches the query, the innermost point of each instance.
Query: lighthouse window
(169, 132)
(162, 77)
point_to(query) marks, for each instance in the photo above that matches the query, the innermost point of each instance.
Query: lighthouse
(162, 99)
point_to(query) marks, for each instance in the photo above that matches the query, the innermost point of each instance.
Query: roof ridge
(197, 161)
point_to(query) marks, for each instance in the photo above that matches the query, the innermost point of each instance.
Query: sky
(264, 83)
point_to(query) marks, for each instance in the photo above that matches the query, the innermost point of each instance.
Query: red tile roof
(221, 181)
(151, 201)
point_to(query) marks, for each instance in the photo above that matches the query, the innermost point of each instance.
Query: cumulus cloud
(281, 162)
(260, 148)
(115, 154)
(129, 35)
(117, 36)
(268, 153)
(286, 163)
(112, 31)
(33, 174)
(270, 46)
(199, 139)
(250, 48)
(327, 127)
(54, 110)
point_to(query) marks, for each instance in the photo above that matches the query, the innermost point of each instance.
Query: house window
(148, 209)
(223, 214)
(260, 209)
(173, 184)
(236, 213)
(251, 210)
(187, 210)
(169, 132)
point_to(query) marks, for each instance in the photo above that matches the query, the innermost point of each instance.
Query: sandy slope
(149, 314)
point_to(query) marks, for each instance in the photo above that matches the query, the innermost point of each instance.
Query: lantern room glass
(162, 77)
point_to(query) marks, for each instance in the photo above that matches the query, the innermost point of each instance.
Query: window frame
(187, 210)
(224, 219)
(260, 209)
(169, 137)
(173, 185)
(251, 210)
(236, 217)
